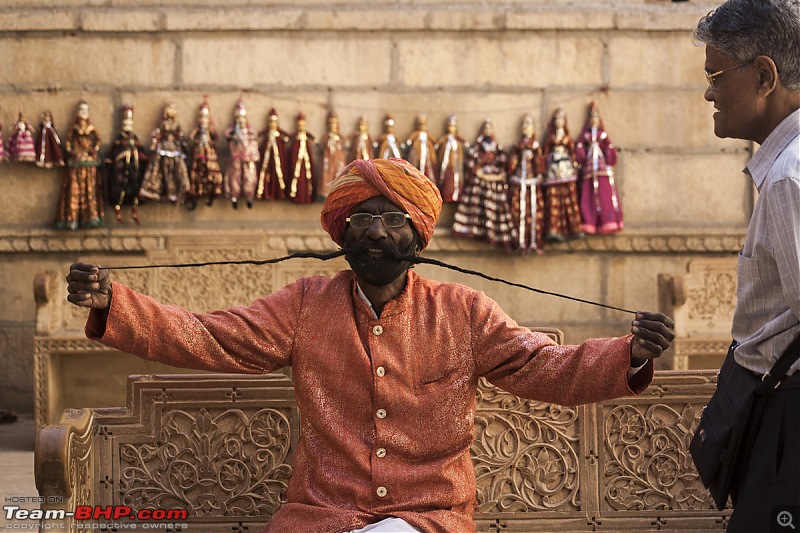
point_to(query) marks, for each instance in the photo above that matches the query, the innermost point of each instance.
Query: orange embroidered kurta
(388, 404)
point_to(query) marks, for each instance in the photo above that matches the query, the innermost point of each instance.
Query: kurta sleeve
(249, 339)
(529, 364)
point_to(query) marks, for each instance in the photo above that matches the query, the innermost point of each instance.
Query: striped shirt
(767, 316)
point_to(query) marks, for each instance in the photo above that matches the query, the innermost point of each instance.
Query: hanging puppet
(205, 177)
(21, 148)
(272, 177)
(81, 202)
(126, 165)
(525, 168)
(48, 144)
(388, 147)
(166, 177)
(302, 170)
(450, 150)
(361, 146)
(420, 149)
(596, 155)
(241, 175)
(483, 211)
(3, 155)
(333, 156)
(562, 214)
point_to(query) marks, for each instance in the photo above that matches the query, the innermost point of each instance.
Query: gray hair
(745, 29)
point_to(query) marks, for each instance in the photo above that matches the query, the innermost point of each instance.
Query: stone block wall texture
(681, 188)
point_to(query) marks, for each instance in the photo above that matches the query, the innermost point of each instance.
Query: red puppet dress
(302, 170)
(361, 146)
(450, 151)
(421, 151)
(562, 215)
(388, 146)
(48, 144)
(272, 177)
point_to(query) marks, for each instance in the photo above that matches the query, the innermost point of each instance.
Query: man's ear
(768, 77)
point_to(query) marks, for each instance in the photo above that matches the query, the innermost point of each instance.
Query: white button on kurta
(380, 413)
(381, 491)
(380, 371)
(377, 329)
(381, 452)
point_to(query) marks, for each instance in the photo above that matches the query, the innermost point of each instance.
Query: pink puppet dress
(361, 145)
(241, 175)
(334, 156)
(21, 148)
(205, 176)
(562, 214)
(3, 154)
(81, 202)
(48, 144)
(302, 170)
(600, 208)
(483, 210)
(421, 149)
(166, 177)
(525, 168)
(272, 176)
(450, 154)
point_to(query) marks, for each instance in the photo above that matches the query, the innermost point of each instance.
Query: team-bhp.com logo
(114, 513)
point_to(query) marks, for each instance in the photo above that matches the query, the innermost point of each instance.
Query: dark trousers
(773, 472)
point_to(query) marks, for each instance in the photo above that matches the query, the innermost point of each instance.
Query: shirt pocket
(430, 380)
(748, 275)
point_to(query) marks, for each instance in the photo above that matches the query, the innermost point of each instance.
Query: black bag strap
(775, 376)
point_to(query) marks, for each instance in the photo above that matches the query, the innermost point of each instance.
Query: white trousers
(388, 525)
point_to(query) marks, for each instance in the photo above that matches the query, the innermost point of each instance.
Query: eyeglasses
(710, 77)
(390, 219)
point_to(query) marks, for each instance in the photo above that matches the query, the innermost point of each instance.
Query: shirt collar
(392, 307)
(364, 299)
(775, 143)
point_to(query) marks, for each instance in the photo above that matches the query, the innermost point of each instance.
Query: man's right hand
(89, 286)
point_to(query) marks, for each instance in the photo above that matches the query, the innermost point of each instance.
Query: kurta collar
(392, 307)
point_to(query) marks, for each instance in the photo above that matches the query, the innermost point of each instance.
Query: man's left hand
(652, 334)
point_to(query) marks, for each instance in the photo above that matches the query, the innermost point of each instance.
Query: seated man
(385, 363)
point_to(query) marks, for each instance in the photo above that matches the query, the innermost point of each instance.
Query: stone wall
(681, 188)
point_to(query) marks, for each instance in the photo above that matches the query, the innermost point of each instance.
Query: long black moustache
(389, 249)
(386, 246)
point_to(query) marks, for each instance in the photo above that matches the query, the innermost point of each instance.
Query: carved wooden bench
(220, 446)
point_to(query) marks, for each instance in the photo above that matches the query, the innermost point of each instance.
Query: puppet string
(410, 259)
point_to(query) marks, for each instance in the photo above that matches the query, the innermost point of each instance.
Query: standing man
(385, 363)
(753, 70)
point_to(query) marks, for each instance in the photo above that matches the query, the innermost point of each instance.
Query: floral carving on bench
(230, 462)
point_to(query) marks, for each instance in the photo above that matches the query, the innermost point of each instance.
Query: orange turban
(397, 180)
